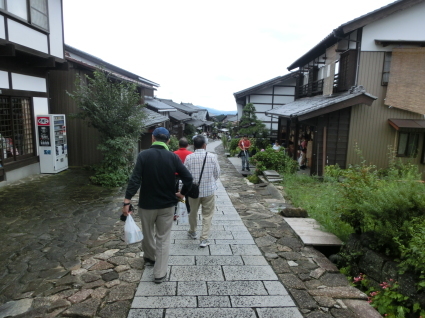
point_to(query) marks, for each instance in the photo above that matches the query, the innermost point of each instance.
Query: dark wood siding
(82, 140)
(331, 140)
(347, 70)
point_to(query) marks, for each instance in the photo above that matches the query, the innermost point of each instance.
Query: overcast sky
(202, 52)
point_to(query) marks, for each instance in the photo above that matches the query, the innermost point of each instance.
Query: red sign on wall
(43, 121)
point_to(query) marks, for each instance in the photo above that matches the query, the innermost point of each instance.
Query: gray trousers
(208, 208)
(156, 229)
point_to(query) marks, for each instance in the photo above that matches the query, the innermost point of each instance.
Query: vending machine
(52, 143)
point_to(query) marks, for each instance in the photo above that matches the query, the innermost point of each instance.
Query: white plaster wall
(260, 98)
(268, 90)
(55, 28)
(23, 35)
(283, 99)
(239, 108)
(28, 83)
(2, 30)
(266, 119)
(41, 106)
(262, 107)
(4, 80)
(408, 24)
(284, 90)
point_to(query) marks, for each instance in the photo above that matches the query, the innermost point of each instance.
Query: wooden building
(31, 45)
(83, 140)
(267, 95)
(152, 121)
(377, 59)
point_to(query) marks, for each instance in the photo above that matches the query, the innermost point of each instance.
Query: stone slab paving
(229, 278)
(70, 260)
(310, 232)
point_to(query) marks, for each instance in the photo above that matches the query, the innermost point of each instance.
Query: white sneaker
(204, 243)
(192, 235)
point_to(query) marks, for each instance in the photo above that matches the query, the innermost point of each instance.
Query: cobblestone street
(63, 256)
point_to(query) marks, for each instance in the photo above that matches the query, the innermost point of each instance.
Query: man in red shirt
(182, 152)
(244, 145)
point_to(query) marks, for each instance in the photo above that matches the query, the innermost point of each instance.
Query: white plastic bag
(182, 213)
(132, 232)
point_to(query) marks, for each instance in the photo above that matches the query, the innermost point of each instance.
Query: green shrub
(254, 179)
(233, 146)
(381, 206)
(117, 163)
(270, 159)
(225, 142)
(173, 145)
(412, 248)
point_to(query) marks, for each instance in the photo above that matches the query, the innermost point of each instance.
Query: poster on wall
(44, 135)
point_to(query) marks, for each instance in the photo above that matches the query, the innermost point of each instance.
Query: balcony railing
(311, 89)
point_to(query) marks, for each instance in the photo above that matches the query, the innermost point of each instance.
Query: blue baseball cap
(161, 131)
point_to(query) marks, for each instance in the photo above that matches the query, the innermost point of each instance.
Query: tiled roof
(178, 115)
(183, 108)
(196, 123)
(153, 118)
(309, 104)
(91, 61)
(263, 85)
(158, 105)
(231, 118)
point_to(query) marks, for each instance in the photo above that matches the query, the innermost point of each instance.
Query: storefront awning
(310, 107)
(407, 124)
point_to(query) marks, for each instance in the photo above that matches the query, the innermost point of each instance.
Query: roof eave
(350, 26)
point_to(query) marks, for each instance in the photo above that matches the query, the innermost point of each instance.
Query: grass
(320, 199)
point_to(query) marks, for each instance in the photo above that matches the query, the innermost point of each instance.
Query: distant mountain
(214, 112)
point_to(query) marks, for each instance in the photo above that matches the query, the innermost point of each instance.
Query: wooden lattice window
(17, 139)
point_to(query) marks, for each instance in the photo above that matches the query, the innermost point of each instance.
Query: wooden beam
(7, 50)
(49, 62)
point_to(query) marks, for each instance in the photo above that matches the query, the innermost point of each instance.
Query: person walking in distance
(182, 152)
(207, 186)
(154, 173)
(244, 145)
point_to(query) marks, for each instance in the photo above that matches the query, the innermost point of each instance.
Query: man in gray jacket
(154, 173)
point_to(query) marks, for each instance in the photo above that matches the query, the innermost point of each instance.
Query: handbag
(194, 189)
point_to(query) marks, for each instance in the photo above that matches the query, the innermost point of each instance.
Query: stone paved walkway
(229, 278)
(62, 255)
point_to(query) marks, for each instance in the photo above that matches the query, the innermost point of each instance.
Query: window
(386, 69)
(38, 11)
(39, 14)
(407, 144)
(18, 8)
(16, 140)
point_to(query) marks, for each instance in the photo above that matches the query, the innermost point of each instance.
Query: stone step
(311, 233)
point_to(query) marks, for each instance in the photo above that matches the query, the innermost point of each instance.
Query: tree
(249, 124)
(115, 109)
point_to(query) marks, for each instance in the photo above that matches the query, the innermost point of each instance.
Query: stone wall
(380, 268)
